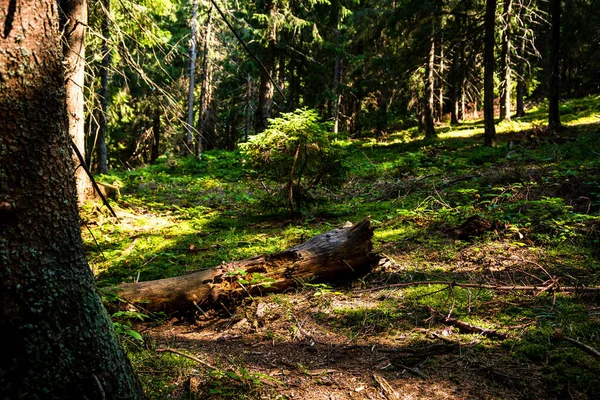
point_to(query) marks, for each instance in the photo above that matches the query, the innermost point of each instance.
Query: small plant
(232, 382)
(123, 325)
(296, 152)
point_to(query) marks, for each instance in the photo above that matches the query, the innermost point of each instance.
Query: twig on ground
(552, 287)
(199, 361)
(413, 370)
(588, 349)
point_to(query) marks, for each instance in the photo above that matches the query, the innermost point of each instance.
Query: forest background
(226, 130)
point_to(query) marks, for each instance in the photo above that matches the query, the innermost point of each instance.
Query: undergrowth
(523, 212)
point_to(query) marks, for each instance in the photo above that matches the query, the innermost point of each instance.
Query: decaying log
(334, 255)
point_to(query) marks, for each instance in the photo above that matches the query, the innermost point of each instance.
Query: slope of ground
(525, 212)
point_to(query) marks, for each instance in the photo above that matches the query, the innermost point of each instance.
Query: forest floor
(525, 212)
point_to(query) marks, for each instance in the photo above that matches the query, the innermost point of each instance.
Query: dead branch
(199, 361)
(588, 349)
(552, 287)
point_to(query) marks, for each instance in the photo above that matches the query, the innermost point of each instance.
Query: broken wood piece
(465, 326)
(386, 388)
(335, 255)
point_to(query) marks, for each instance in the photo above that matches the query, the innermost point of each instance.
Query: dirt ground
(296, 340)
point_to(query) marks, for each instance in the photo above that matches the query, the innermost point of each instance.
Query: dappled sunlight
(449, 211)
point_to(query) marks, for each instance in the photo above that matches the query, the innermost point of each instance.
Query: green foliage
(231, 383)
(298, 152)
(540, 198)
(122, 322)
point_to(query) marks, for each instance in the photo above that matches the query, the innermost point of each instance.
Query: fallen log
(334, 255)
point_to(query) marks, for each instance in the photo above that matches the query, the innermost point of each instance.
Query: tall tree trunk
(265, 91)
(204, 88)
(488, 75)
(441, 82)
(60, 343)
(73, 25)
(103, 94)
(337, 79)
(429, 91)
(521, 88)
(192, 71)
(248, 109)
(506, 67)
(457, 81)
(554, 85)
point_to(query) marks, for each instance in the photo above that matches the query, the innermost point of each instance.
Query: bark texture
(73, 25)
(59, 341)
(337, 254)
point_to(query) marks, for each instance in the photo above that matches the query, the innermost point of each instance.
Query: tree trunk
(248, 109)
(204, 88)
(429, 91)
(337, 79)
(265, 93)
(60, 342)
(156, 133)
(103, 94)
(521, 88)
(73, 25)
(334, 255)
(488, 75)
(441, 82)
(506, 68)
(554, 88)
(455, 87)
(192, 71)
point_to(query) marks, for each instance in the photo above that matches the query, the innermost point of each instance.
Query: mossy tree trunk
(58, 339)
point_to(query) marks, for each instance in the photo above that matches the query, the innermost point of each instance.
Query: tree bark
(204, 87)
(554, 86)
(506, 68)
(488, 78)
(73, 25)
(103, 94)
(429, 91)
(60, 342)
(192, 71)
(334, 255)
